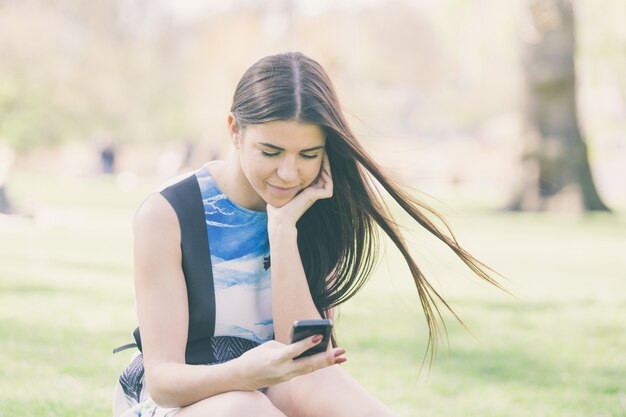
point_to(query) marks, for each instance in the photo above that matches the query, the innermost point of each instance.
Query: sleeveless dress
(239, 248)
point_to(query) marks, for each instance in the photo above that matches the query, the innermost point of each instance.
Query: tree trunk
(556, 170)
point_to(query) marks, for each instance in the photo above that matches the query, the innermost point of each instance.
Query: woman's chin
(277, 202)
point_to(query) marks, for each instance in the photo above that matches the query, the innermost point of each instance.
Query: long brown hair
(337, 237)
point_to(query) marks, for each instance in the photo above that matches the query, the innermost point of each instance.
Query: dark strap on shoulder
(185, 198)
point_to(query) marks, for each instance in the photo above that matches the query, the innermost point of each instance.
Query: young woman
(228, 258)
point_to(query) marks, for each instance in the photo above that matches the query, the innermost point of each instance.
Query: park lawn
(558, 348)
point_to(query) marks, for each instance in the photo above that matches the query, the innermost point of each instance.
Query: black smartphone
(308, 328)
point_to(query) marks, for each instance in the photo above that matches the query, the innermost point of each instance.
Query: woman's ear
(233, 130)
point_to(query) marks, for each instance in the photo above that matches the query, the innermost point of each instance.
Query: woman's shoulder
(156, 236)
(156, 212)
(154, 215)
(155, 206)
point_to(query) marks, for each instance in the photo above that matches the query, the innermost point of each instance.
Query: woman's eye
(270, 154)
(309, 156)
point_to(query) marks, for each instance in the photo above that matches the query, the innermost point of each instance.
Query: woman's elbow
(159, 386)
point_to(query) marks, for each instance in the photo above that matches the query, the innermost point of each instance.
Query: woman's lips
(282, 190)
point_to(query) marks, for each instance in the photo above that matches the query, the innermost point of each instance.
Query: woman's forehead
(287, 134)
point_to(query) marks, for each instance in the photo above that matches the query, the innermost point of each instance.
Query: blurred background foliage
(441, 80)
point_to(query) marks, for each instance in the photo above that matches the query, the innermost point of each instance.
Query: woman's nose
(288, 170)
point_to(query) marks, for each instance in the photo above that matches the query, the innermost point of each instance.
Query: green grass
(557, 349)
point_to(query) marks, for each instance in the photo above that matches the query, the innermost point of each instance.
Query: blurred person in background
(229, 257)
(7, 159)
(107, 157)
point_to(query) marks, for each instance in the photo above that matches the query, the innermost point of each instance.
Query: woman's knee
(232, 404)
(331, 391)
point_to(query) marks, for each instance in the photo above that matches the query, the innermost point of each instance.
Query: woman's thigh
(328, 392)
(232, 404)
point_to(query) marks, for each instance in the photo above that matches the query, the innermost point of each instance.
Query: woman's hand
(289, 214)
(273, 362)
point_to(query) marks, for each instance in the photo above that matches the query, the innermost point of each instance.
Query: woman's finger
(320, 360)
(326, 164)
(297, 348)
(328, 182)
(321, 189)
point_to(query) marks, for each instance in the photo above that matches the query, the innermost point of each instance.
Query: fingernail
(317, 338)
(340, 360)
(339, 352)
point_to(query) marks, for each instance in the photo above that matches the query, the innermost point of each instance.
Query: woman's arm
(291, 296)
(290, 291)
(163, 314)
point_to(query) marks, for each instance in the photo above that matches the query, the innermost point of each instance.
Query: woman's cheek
(258, 169)
(315, 172)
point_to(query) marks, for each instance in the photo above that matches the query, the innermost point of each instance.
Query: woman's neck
(231, 180)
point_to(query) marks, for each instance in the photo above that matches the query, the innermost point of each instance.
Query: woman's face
(280, 158)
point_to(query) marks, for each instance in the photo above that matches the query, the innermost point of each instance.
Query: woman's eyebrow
(278, 148)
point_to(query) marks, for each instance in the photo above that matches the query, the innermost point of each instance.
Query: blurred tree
(556, 169)
(70, 68)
